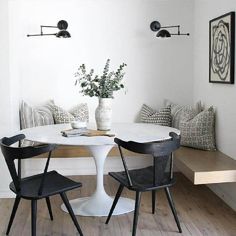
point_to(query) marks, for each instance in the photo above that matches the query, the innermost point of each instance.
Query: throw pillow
(61, 116)
(177, 111)
(161, 117)
(80, 112)
(35, 116)
(198, 131)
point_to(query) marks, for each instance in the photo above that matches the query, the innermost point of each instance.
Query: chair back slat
(40, 191)
(11, 154)
(125, 167)
(161, 152)
(160, 169)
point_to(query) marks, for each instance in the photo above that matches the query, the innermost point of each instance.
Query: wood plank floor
(200, 212)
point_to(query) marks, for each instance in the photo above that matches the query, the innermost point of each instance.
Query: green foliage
(100, 86)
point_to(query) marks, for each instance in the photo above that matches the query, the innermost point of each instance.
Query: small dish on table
(78, 124)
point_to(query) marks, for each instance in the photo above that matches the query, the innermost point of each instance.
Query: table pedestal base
(93, 206)
(99, 204)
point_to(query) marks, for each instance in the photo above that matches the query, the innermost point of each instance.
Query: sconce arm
(61, 25)
(46, 26)
(182, 34)
(29, 35)
(170, 26)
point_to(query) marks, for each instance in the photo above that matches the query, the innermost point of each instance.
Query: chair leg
(153, 201)
(70, 210)
(136, 212)
(33, 217)
(49, 207)
(119, 191)
(172, 206)
(13, 213)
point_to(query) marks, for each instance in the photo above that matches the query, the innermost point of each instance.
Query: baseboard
(7, 194)
(223, 195)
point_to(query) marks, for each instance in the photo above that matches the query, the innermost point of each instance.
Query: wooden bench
(201, 167)
(73, 151)
(205, 167)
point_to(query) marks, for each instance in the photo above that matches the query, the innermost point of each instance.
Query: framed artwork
(221, 49)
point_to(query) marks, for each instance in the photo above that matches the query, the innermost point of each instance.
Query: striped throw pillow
(161, 117)
(35, 116)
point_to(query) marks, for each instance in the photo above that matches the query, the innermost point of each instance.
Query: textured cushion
(161, 117)
(198, 131)
(80, 112)
(177, 111)
(35, 116)
(61, 116)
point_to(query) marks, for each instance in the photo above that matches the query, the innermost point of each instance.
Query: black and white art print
(221, 49)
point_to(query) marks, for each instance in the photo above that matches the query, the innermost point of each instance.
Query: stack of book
(74, 132)
(84, 132)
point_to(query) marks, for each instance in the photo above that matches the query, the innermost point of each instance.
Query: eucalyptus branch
(100, 86)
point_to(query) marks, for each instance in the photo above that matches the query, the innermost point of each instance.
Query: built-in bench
(73, 151)
(201, 167)
(205, 167)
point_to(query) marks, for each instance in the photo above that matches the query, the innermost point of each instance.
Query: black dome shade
(164, 34)
(62, 25)
(155, 25)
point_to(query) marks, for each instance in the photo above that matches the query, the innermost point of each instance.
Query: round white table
(99, 203)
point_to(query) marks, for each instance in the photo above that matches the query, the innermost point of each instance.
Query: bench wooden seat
(205, 167)
(73, 151)
(201, 167)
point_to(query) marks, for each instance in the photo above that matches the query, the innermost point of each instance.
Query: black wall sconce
(162, 32)
(61, 25)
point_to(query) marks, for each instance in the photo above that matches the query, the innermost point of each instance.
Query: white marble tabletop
(140, 132)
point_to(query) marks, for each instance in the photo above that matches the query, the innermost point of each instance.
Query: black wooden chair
(152, 178)
(38, 186)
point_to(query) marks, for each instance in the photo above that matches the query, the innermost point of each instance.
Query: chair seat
(142, 179)
(54, 183)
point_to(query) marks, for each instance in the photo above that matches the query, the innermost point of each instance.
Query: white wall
(40, 68)
(4, 67)
(37, 69)
(116, 29)
(5, 92)
(222, 97)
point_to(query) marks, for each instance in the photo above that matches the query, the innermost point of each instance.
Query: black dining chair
(38, 186)
(152, 178)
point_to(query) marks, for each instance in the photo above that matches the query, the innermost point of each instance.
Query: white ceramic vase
(103, 114)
